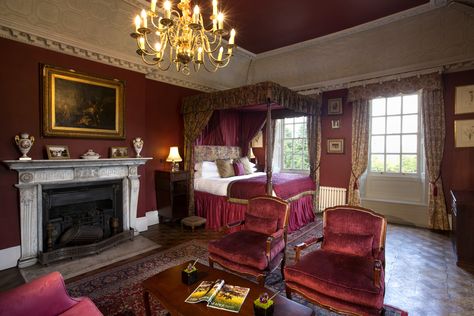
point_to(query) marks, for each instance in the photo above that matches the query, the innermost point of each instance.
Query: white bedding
(218, 185)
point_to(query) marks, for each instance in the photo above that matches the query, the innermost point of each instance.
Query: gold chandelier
(181, 38)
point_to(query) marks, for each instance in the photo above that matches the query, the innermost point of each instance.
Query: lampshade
(174, 155)
(251, 155)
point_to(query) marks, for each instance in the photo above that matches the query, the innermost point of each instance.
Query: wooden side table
(171, 194)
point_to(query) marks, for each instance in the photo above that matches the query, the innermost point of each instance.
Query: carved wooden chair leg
(288, 292)
(211, 263)
(282, 268)
(261, 280)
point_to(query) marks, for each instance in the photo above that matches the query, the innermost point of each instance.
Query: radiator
(329, 197)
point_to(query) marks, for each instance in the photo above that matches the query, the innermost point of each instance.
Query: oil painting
(80, 105)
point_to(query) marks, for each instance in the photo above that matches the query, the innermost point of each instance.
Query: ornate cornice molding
(380, 77)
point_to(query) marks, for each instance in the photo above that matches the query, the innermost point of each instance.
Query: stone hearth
(34, 174)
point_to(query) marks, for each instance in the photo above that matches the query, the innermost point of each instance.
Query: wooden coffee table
(167, 287)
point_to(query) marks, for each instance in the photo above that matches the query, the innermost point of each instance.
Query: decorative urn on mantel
(24, 142)
(138, 145)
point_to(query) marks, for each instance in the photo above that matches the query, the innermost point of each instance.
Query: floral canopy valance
(395, 87)
(250, 95)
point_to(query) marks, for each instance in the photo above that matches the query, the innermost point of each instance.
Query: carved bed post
(269, 148)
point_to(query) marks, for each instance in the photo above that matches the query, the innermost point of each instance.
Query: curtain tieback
(356, 182)
(435, 187)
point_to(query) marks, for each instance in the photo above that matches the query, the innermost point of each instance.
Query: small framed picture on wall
(335, 106)
(118, 152)
(464, 99)
(335, 146)
(464, 133)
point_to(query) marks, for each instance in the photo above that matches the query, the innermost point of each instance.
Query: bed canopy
(265, 99)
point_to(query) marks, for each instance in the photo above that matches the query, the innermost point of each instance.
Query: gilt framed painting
(464, 133)
(81, 106)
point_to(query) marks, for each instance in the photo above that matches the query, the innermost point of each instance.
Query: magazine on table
(219, 295)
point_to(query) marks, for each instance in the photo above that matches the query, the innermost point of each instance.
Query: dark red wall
(458, 163)
(151, 112)
(335, 169)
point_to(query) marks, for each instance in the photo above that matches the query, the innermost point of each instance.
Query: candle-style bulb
(138, 21)
(153, 5)
(232, 37)
(220, 20)
(144, 19)
(196, 14)
(219, 57)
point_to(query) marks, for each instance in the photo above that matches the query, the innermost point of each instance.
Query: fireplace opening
(81, 218)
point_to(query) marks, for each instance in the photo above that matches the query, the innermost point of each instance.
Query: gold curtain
(360, 148)
(194, 123)
(432, 107)
(313, 126)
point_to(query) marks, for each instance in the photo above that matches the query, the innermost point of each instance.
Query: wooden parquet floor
(421, 272)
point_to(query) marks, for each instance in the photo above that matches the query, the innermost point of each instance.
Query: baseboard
(9, 257)
(150, 218)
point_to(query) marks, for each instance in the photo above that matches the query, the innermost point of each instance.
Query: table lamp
(174, 158)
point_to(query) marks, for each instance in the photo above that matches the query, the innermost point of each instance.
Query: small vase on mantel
(24, 142)
(138, 146)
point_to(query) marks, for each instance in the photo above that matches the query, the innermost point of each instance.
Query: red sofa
(45, 296)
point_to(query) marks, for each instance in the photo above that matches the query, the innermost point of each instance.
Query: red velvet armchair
(347, 273)
(45, 296)
(258, 246)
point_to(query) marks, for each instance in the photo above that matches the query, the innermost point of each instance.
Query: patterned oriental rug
(118, 291)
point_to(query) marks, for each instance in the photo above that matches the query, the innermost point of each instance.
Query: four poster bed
(219, 127)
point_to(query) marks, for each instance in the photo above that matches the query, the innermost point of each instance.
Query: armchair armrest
(233, 225)
(279, 233)
(301, 246)
(377, 272)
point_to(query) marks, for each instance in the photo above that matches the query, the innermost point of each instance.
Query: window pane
(409, 164)
(298, 146)
(378, 144)
(410, 124)
(289, 120)
(393, 163)
(305, 162)
(378, 107)
(378, 125)
(288, 130)
(297, 162)
(409, 144)
(393, 144)
(300, 130)
(300, 119)
(287, 162)
(377, 163)
(394, 124)
(410, 104)
(394, 105)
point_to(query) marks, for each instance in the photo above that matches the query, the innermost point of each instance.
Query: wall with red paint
(335, 169)
(458, 163)
(151, 111)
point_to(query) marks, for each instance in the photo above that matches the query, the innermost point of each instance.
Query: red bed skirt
(219, 212)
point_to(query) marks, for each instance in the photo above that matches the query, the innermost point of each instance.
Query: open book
(219, 295)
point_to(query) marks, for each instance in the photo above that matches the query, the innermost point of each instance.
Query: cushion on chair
(345, 277)
(246, 248)
(358, 245)
(355, 221)
(263, 225)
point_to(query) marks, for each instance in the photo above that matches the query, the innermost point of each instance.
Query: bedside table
(171, 194)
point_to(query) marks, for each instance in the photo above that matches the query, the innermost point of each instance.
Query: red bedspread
(285, 185)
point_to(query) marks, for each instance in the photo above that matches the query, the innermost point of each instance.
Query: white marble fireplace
(33, 174)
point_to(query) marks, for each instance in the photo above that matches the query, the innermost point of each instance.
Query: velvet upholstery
(44, 296)
(263, 225)
(347, 273)
(255, 249)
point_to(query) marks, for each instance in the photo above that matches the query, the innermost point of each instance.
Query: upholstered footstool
(192, 221)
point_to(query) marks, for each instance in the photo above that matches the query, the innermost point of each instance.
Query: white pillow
(209, 169)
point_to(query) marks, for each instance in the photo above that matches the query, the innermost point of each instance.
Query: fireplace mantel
(33, 174)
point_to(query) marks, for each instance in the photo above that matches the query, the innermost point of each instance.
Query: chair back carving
(270, 207)
(356, 221)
